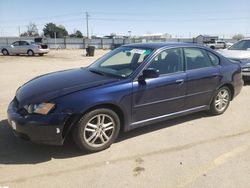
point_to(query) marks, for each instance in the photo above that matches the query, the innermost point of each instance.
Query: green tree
(238, 37)
(76, 34)
(50, 29)
(32, 31)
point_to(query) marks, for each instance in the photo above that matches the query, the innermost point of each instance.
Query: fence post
(83, 42)
(102, 43)
(64, 42)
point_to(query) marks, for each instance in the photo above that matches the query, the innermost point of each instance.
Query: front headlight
(42, 108)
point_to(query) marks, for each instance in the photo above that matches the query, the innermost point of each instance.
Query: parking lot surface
(197, 150)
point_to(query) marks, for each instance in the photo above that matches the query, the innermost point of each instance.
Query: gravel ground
(197, 150)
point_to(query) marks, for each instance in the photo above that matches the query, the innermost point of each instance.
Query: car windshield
(121, 62)
(241, 45)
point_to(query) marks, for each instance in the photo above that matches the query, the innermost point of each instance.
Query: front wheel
(96, 130)
(5, 52)
(220, 101)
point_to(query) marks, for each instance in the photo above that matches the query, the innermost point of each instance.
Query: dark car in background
(131, 86)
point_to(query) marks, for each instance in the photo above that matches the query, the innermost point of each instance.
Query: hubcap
(99, 130)
(4, 52)
(221, 100)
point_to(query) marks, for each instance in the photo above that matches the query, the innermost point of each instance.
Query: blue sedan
(131, 86)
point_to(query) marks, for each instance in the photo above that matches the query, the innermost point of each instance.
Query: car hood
(235, 54)
(46, 87)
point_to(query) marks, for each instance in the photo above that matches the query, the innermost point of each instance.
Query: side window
(215, 60)
(23, 43)
(15, 43)
(168, 61)
(196, 58)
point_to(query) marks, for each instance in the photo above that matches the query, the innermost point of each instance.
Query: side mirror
(149, 73)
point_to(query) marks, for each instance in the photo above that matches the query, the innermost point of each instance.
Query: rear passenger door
(203, 76)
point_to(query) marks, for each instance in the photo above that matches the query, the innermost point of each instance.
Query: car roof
(162, 44)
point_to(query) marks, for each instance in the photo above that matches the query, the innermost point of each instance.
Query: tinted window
(15, 43)
(196, 58)
(215, 60)
(22, 43)
(168, 61)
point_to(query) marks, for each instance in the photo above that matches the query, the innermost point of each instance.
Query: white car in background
(240, 51)
(25, 47)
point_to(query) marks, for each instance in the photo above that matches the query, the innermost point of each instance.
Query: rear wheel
(220, 101)
(97, 130)
(5, 52)
(30, 53)
(41, 54)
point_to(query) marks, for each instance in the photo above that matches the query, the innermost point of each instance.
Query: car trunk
(39, 41)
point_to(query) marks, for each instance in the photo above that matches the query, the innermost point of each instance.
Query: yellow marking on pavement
(222, 159)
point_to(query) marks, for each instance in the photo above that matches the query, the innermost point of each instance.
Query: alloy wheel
(99, 130)
(222, 99)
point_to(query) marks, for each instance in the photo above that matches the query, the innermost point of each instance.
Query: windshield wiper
(96, 72)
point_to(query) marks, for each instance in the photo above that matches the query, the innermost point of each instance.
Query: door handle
(215, 75)
(179, 81)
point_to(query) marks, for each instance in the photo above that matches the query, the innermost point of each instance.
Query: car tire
(221, 101)
(30, 53)
(5, 52)
(41, 54)
(96, 130)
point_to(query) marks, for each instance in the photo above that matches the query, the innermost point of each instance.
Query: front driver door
(159, 97)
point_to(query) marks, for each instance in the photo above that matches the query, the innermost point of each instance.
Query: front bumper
(44, 129)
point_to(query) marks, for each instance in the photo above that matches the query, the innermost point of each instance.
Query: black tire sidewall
(213, 109)
(30, 54)
(7, 53)
(79, 129)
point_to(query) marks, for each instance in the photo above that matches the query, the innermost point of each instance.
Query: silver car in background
(240, 51)
(25, 47)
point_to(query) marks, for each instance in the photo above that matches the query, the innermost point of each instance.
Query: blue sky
(181, 18)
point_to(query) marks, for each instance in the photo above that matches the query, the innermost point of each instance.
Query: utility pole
(87, 24)
(19, 33)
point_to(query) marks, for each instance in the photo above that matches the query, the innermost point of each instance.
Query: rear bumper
(246, 73)
(44, 129)
(42, 51)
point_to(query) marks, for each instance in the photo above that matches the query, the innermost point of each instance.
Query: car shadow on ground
(17, 151)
